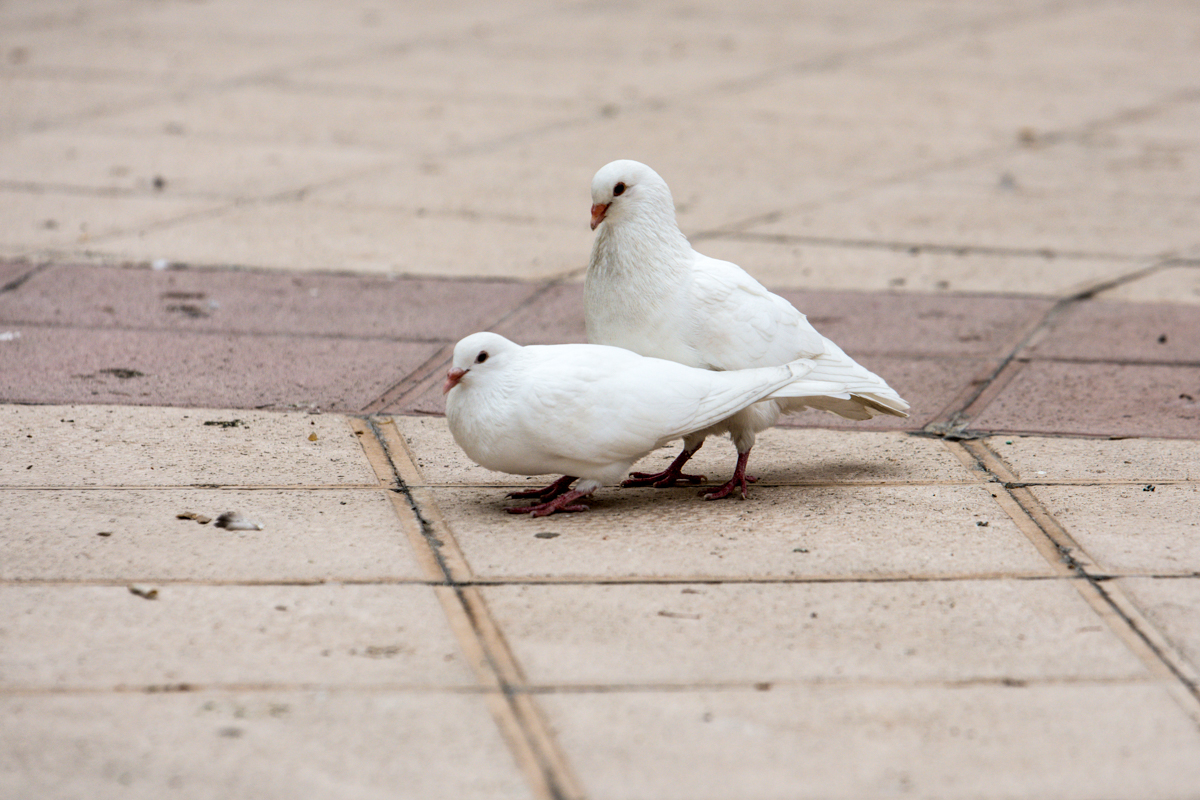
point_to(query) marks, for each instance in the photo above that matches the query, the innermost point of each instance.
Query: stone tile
(1038, 459)
(1170, 604)
(78, 365)
(813, 532)
(13, 271)
(309, 236)
(553, 316)
(188, 166)
(269, 745)
(129, 446)
(866, 266)
(1171, 285)
(52, 219)
(1124, 742)
(1079, 399)
(247, 302)
(30, 103)
(1129, 529)
(781, 456)
(1138, 332)
(102, 637)
(134, 535)
(634, 634)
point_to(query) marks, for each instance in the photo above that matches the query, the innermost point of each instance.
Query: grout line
(528, 734)
(1105, 597)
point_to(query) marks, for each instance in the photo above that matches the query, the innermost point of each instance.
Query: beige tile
(1129, 529)
(268, 745)
(781, 456)
(52, 219)
(307, 536)
(1170, 285)
(189, 166)
(101, 637)
(787, 532)
(743, 633)
(1038, 459)
(1172, 604)
(862, 267)
(1064, 741)
(145, 446)
(33, 102)
(307, 235)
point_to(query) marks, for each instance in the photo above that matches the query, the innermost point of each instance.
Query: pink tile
(1157, 332)
(1097, 399)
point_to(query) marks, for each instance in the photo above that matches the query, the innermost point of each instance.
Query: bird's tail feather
(844, 387)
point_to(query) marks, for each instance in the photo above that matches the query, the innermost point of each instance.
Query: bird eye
(482, 357)
(619, 189)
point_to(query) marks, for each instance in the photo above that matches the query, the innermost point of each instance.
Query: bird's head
(479, 353)
(621, 188)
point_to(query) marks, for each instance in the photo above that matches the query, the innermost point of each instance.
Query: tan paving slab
(33, 102)
(36, 220)
(130, 446)
(909, 268)
(270, 745)
(1171, 285)
(307, 235)
(597, 635)
(781, 456)
(135, 535)
(780, 533)
(1171, 605)
(1051, 459)
(186, 165)
(1054, 741)
(1148, 529)
(104, 637)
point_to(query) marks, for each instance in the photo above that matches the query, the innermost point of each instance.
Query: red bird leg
(547, 492)
(668, 477)
(738, 481)
(564, 502)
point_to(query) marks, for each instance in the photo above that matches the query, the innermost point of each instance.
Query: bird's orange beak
(598, 212)
(452, 378)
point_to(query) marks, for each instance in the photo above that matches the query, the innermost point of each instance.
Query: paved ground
(237, 242)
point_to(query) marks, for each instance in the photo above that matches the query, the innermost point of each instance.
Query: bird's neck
(646, 249)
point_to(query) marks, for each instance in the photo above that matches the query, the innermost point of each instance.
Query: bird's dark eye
(619, 189)
(482, 357)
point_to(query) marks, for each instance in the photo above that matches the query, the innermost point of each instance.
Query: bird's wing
(734, 322)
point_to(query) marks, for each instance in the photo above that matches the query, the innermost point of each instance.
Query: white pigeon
(588, 411)
(648, 291)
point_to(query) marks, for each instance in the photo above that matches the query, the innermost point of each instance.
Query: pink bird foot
(550, 492)
(565, 502)
(668, 477)
(738, 481)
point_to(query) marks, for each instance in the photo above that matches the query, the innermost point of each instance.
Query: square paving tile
(227, 301)
(780, 532)
(1171, 603)
(1127, 332)
(105, 637)
(1126, 742)
(135, 535)
(612, 635)
(199, 369)
(69, 446)
(1179, 284)
(1097, 400)
(268, 745)
(1130, 529)
(1038, 459)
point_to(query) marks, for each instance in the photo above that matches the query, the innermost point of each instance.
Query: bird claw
(564, 502)
(559, 487)
(661, 480)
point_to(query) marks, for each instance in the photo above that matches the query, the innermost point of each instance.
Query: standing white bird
(648, 291)
(588, 411)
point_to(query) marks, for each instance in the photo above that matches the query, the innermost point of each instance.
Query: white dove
(588, 411)
(648, 291)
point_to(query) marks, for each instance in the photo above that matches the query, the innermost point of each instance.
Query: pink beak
(598, 212)
(452, 378)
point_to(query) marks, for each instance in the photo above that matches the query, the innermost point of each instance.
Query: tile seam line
(552, 780)
(1152, 640)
